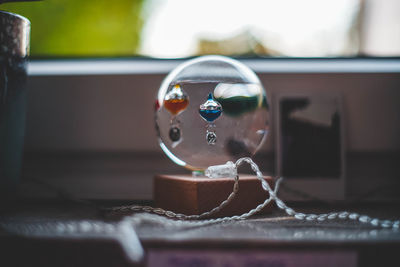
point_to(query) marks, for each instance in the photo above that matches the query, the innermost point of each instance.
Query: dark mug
(14, 49)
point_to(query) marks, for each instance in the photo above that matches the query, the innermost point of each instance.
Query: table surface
(83, 221)
(273, 228)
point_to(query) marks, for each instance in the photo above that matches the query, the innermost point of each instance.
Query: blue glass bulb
(210, 115)
(211, 109)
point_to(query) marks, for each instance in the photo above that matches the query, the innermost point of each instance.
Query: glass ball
(210, 110)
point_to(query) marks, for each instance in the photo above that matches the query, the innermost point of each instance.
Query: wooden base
(195, 195)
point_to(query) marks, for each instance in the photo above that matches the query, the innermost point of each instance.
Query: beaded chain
(272, 197)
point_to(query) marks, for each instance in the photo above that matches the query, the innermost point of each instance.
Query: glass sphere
(210, 110)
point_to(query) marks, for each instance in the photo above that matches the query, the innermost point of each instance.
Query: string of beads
(199, 219)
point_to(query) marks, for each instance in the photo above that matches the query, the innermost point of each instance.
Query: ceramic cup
(14, 49)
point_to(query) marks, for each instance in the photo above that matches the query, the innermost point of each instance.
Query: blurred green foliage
(82, 28)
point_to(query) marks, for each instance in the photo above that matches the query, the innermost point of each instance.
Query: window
(178, 28)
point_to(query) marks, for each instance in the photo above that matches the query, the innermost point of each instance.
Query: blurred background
(90, 118)
(178, 28)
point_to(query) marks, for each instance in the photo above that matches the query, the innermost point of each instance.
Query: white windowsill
(151, 66)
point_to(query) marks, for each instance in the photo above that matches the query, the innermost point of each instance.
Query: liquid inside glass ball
(210, 110)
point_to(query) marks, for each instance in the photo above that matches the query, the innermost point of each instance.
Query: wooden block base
(195, 195)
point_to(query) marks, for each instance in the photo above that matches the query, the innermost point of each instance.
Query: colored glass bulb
(176, 100)
(211, 109)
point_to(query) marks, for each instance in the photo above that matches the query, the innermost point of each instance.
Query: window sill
(163, 66)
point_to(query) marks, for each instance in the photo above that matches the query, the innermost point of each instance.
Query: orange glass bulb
(175, 106)
(176, 100)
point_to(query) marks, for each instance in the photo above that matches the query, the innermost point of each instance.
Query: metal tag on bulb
(227, 170)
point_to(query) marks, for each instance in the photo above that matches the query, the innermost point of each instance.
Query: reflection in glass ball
(226, 118)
